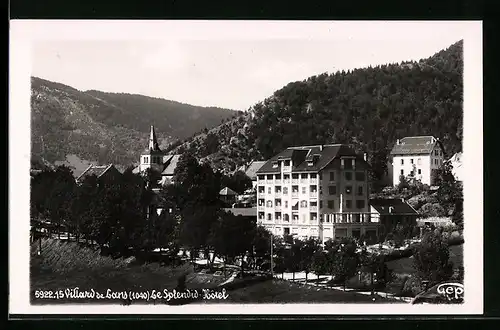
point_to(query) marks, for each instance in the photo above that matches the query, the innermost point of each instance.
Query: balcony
(277, 181)
(352, 217)
(313, 207)
(277, 192)
(287, 168)
(295, 181)
(314, 180)
(286, 181)
(295, 194)
(261, 207)
(313, 194)
(303, 181)
(277, 207)
(271, 181)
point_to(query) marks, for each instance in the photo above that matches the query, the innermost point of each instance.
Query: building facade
(416, 157)
(390, 212)
(315, 191)
(156, 159)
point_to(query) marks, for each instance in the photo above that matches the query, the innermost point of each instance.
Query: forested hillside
(369, 108)
(102, 127)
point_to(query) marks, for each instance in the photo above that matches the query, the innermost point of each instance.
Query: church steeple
(153, 143)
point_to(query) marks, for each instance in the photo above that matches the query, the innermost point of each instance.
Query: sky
(233, 70)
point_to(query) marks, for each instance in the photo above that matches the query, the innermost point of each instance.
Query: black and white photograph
(245, 167)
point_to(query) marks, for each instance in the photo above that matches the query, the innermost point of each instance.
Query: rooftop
(382, 205)
(97, 170)
(319, 155)
(415, 145)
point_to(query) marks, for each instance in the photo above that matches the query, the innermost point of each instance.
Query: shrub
(432, 210)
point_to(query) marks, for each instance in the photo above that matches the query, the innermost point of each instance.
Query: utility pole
(272, 271)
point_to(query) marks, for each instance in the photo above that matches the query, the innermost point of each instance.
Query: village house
(416, 157)
(251, 171)
(102, 172)
(316, 191)
(389, 212)
(227, 195)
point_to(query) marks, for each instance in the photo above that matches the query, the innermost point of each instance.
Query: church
(155, 158)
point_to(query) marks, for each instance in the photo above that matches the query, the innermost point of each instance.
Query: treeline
(368, 108)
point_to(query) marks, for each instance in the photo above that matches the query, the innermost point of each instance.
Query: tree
(431, 259)
(320, 264)
(346, 261)
(261, 245)
(232, 236)
(310, 249)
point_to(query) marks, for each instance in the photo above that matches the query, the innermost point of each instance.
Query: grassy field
(65, 265)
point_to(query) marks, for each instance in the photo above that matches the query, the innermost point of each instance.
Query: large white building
(416, 157)
(315, 191)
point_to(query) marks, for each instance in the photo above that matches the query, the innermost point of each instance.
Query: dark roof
(243, 211)
(399, 206)
(95, 170)
(415, 145)
(300, 157)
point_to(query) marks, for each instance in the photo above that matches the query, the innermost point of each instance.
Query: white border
(24, 32)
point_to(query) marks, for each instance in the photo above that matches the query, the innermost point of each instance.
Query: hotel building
(316, 191)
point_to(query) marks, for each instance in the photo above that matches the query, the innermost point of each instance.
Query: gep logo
(452, 291)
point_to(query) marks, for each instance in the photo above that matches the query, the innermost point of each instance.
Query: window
(277, 189)
(402, 172)
(261, 215)
(269, 176)
(261, 202)
(348, 163)
(331, 204)
(402, 161)
(313, 189)
(287, 162)
(348, 203)
(277, 202)
(313, 175)
(278, 176)
(304, 190)
(295, 189)
(275, 164)
(348, 189)
(268, 190)
(419, 161)
(348, 176)
(269, 203)
(332, 190)
(360, 176)
(295, 176)
(419, 171)
(277, 215)
(360, 190)
(286, 204)
(285, 190)
(145, 160)
(411, 173)
(269, 216)
(360, 204)
(314, 216)
(261, 177)
(303, 204)
(411, 160)
(286, 176)
(262, 189)
(332, 176)
(303, 176)
(286, 217)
